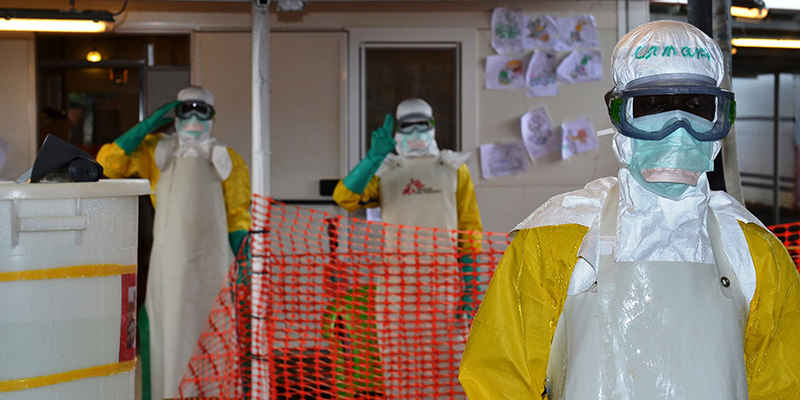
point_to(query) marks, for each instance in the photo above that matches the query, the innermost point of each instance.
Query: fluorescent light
(782, 4)
(768, 43)
(38, 20)
(743, 12)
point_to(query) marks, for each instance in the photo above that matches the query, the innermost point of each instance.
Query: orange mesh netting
(789, 235)
(328, 307)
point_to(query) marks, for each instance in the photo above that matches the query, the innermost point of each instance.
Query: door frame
(463, 39)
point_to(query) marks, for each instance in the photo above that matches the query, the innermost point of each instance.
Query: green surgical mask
(680, 152)
(197, 128)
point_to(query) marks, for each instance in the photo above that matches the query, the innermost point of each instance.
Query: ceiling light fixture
(744, 12)
(46, 20)
(766, 43)
(94, 56)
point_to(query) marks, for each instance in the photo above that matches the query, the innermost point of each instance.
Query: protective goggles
(201, 110)
(414, 123)
(702, 109)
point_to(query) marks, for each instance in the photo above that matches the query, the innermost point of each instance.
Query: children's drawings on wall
(581, 66)
(577, 136)
(538, 134)
(564, 52)
(540, 31)
(507, 24)
(578, 32)
(514, 32)
(505, 72)
(502, 159)
(540, 79)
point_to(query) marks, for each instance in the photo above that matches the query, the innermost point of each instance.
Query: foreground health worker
(202, 199)
(649, 285)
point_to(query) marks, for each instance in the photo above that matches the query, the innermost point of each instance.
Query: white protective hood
(665, 47)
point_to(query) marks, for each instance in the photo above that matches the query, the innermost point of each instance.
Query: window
(394, 74)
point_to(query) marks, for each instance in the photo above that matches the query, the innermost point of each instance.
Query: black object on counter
(60, 161)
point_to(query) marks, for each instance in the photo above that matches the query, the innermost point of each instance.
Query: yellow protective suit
(469, 218)
(141, 163)
(509, 343)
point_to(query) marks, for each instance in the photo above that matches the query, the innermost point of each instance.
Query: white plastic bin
(68, 289)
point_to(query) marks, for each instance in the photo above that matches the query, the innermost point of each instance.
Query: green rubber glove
(381, 144)
(131, 139)
(471, 289)
(237, 239)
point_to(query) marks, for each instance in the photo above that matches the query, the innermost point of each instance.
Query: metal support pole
(261, 186)
(261, 134)
(699, 13)
(776, 187)
(730, 153)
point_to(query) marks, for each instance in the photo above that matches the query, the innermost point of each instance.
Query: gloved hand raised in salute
(381, 145)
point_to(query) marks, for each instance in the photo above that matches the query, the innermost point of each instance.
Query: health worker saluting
(201, 194)
(420, 185)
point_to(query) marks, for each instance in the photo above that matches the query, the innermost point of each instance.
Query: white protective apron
(188, 263)
(416, 336)
(652, 330)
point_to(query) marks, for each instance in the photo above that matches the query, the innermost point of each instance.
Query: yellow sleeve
(469, 216)
(351, 201)
(772, 345)
(139, 164)
(236, 189)
(509, 342)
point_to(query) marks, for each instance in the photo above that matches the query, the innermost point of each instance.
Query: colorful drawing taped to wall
(540, 31)
(578, 32)
(505, 72)
(540, 79)
(502, 159)
(578, 136)
(511, 71)
(581, 66)
(507, 26)
(538, 134)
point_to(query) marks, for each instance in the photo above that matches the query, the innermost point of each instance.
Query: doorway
(91, 103)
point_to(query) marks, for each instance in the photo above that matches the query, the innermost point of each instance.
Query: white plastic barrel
(68, 289)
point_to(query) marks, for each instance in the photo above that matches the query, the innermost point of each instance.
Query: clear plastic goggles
(414, 123)
(655, 110)
(201, 110)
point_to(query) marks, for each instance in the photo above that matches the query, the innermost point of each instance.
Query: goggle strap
(614, 109)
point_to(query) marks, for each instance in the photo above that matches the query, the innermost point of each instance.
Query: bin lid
(66, 190)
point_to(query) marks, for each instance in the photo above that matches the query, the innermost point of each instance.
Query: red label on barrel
(127, 330)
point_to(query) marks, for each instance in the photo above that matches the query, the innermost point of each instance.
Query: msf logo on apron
(415, 186)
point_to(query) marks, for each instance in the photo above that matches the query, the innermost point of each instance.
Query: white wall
(17, 103)
(504, 201)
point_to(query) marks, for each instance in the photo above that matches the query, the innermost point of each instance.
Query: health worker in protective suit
(201, 194)
(648, 285)
(419, 186)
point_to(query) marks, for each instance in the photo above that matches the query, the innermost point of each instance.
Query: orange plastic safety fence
(342, 308)
(789, 235)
